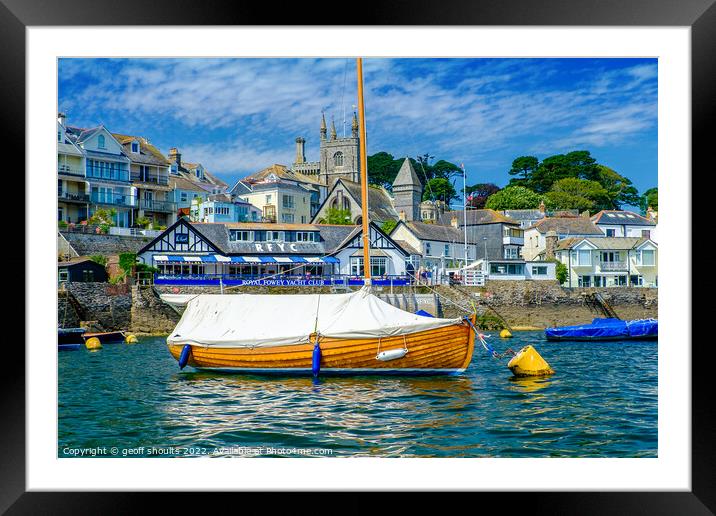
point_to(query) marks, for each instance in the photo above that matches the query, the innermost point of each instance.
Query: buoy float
(505, 334)
(130, 339)
(527, 362)
(93, 344)
(316, 362)
(184, 356)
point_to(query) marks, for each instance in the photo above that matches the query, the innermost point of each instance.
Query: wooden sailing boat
(353, 333)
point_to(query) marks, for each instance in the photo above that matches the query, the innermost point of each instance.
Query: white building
(564, 227)
(617, 223)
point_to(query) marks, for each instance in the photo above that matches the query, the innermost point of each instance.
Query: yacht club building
(268, 253)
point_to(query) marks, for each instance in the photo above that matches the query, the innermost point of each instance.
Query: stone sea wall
(538, 304)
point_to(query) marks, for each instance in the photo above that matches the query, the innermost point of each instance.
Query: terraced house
(149, 174)
(106, 172)
(72, 186)
(609, 261)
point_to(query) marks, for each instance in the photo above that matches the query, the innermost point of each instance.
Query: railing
(107, 174)
(613, 266)
(136, 232)
(67, 170)
(113, 199)
(145, 204)
(77, 197)
(508, 239)
(282, 280)
(156, 179)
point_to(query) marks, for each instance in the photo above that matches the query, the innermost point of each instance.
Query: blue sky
(237, 116)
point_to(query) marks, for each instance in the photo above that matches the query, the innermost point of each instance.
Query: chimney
(61, 117)
(402, 215)
(541, 206)
(175, 156)
(585, 214)
(551, 238)
(300, 150)
(453, 221)
(650, 213)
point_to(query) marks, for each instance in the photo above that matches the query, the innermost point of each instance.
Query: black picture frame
(17, 15)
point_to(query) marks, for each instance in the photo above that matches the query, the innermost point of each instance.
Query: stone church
(339, 157)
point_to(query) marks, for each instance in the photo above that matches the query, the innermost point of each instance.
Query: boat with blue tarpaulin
(607, 329)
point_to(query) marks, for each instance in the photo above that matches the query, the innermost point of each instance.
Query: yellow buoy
(93, 343)
(130, 339)
(527, 362)
(505, 334)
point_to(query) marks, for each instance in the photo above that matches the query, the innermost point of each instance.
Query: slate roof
(567, 226)
(435, 232)
(282, 172)
(182, 183)
(620, 217)
(407, 247)
(87, 244)
(608, 243)
(380, 205)
(218, 234)
(524, 214)
(476, 217)
(406, 175)
(147, 154)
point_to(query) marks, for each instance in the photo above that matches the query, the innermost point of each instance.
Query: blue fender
(184, 357)
(316, 364)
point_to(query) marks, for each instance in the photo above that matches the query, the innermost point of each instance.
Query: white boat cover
(249, 321)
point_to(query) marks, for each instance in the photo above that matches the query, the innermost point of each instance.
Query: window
(268, 199)
(305, 236)
(610, 256)
(288, 201)
(636, 281)
(447, 249)
(303, 219)
(63, 275)
(240, 236)
(87, 276)
(60, 213)
(135, 147)
(582, 258)
(59, 136)
(338, 159)
(611, 232)
(646, 257)
(539, 270)
(273, 236)
(378, 266)
(584, 281)
(197, 269)
(287, 218)
(100, 141)
(511, 253)
(184, 197)
(646, 233)
(427, 249)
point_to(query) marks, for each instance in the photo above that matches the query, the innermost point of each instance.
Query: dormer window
(100, 141)
(199, 173)
(135, 147)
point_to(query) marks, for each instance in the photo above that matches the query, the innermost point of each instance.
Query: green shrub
(98, 258)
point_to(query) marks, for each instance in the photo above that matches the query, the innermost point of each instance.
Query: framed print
(211, 153)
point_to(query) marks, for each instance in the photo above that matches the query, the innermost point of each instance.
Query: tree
(560, 271)
(388, 226)
(650, 199)
(439, 189)
(513, 198)
(621, 191)
(100, 259)
(477, 194)
(524, 165)
(382, 169)
(102, 217)
(580, 194)
(338, 216)
(444, 169)
(578, 164)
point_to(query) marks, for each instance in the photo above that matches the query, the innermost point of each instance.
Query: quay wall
(537, 304)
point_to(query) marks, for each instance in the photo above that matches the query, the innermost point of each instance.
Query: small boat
(107, 337)
(607, 329)
(70, 338)
(355, 333)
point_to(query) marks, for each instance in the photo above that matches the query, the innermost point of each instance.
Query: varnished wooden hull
(445, 350)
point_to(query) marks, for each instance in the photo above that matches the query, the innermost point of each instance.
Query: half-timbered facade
(268, 254)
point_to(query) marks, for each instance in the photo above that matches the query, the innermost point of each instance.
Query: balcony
(73, 197)
(67, 170)
(113, 199)
(106, 174)
(163, 206)
(149, 178)
(513, 240)
(613, 266)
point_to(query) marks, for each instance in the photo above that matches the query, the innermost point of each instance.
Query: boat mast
(363, 176)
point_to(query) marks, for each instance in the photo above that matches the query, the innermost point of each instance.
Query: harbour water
(132, 400)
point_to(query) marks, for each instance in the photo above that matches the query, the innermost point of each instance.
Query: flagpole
(464, 212)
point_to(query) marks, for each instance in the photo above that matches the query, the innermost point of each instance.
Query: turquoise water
(134, 401)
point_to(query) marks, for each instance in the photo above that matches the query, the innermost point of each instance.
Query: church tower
(339, 157)
(407, 191)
